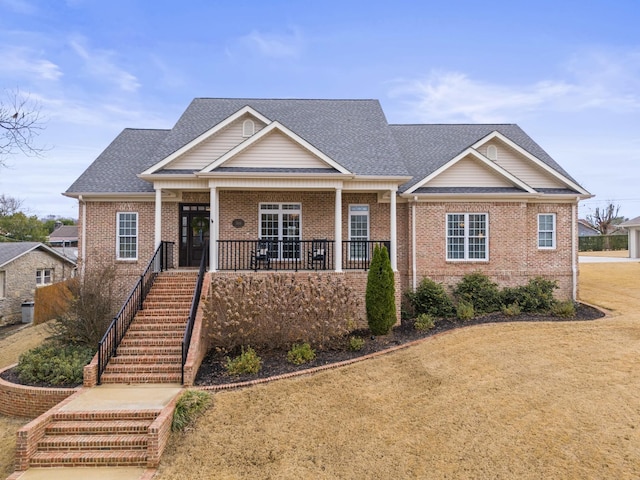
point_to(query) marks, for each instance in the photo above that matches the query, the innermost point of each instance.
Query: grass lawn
(521, 401)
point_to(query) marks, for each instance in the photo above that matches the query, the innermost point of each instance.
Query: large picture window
(127, 238)
(281, 222)
(467, 236)
(358, 232)
(547, 231)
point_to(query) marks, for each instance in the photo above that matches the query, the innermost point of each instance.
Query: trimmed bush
(300, 353)
(465, 311)
(476, 289)
(431, 298)
(511, 310)
(380, 294)
(424, 322)
(54, 364)
(355, 343)
(566, 309)
(248, 362)
(535, 296)
(274, 312)
(189, 407)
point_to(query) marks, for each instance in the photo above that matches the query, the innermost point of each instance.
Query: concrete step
(117, 458)
(176, 332)
(87, 427)
(147, 323)
(150, 350)
(143, 368)
(106, 415)
(142, 357)
(128, 342)
(117, 441)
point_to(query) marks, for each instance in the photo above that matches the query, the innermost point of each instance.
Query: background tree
(20, 124)
(9, 205)
(21, 228)
(604, 220)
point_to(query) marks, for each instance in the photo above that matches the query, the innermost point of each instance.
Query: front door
(194, 233)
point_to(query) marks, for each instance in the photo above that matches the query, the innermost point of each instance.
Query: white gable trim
(534, 159)
(264, 132)
(209, 133)
(474, 153)
(44, 248)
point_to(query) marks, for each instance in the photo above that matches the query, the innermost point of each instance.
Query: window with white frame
(44, 276)
(282, 224)
(248, 128)
(358, 231)
(127, 236)
(2, 284)
(547, 230)
(467, 236)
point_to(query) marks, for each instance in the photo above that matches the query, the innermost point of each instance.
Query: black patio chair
(317, 256)
(261, 256)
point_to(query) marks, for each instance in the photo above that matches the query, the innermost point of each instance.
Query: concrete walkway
(587, 259)
(109, 397)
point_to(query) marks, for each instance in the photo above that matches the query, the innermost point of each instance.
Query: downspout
(574, 248)
(83, 208)
(414, 268)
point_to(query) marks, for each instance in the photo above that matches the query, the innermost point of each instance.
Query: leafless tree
(9, 205)
(604, 220)
(20, 123)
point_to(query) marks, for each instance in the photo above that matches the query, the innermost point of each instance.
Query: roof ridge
(450, 124)
(292, 98)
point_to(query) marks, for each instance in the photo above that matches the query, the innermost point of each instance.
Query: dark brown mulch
(212, 371)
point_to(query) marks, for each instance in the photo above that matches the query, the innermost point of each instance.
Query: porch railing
(161, 260)
(195, 302)
(294, 255)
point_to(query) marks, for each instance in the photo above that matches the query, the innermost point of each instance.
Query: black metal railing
(195, 302)
(318, 254)
(162, 259)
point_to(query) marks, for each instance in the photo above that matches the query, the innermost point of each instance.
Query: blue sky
(568, 72)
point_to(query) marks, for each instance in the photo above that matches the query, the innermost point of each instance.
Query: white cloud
(289, 45)
(25, 62)
(594, 80)
(101, 65)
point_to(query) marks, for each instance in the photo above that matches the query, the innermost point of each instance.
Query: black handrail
(162, 259)
(195, 302)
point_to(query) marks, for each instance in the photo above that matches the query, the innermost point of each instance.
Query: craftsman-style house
(298, 185)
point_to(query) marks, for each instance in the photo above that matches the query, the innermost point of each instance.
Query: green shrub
(380, 293)
(512, 309)
(300, 353)
(535, 296)
(482, 293)
(465, 311)
(54, 364)
(431, 298)
(424, 322)
(276, 311)
(355, 343)
(189, 406)
(566, 309)
(248, 362)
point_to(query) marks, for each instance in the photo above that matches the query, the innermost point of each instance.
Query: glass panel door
(281, 222)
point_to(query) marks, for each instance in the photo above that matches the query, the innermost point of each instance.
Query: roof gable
(12, 251)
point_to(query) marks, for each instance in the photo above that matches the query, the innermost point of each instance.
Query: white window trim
(492, 152)
(248, 128)
(3, 283)
(41, 276)
(118, 257)
(359, 213)
(280, 211)
(553, 231)
(466, 237)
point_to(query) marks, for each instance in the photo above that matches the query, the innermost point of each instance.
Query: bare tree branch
(20, 123)
(605, 219)
(9, 205)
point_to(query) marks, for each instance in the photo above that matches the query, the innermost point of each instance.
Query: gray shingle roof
(354, 133)
(9, 251)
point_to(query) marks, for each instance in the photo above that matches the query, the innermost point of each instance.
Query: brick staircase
(151, 350)
(93, 439)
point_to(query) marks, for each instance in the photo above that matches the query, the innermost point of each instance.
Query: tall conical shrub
(380, 295)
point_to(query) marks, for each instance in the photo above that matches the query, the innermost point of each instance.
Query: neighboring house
(633, 228)
(25, 266)
(64, 239)
(275, 182)
(585, 229)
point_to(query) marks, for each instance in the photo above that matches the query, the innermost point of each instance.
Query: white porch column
(394, 232)
(158, 218)
(337, 255)
(214, 231)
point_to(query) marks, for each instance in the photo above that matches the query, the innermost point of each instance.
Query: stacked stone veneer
(514, 256)
(20, 281)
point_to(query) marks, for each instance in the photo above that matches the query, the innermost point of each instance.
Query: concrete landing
(82, 473)
(123, 397)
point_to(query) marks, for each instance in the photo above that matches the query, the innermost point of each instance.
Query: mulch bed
(212, 371)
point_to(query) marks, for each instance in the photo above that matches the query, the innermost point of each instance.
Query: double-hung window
(127, 236)
(44, 276)
(358, 232)
(547, 231)
(467, 236)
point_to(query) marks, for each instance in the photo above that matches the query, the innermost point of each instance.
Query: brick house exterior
(23, 267)
(445, 199)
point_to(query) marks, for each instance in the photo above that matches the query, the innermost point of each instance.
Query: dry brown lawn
(508, 401)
